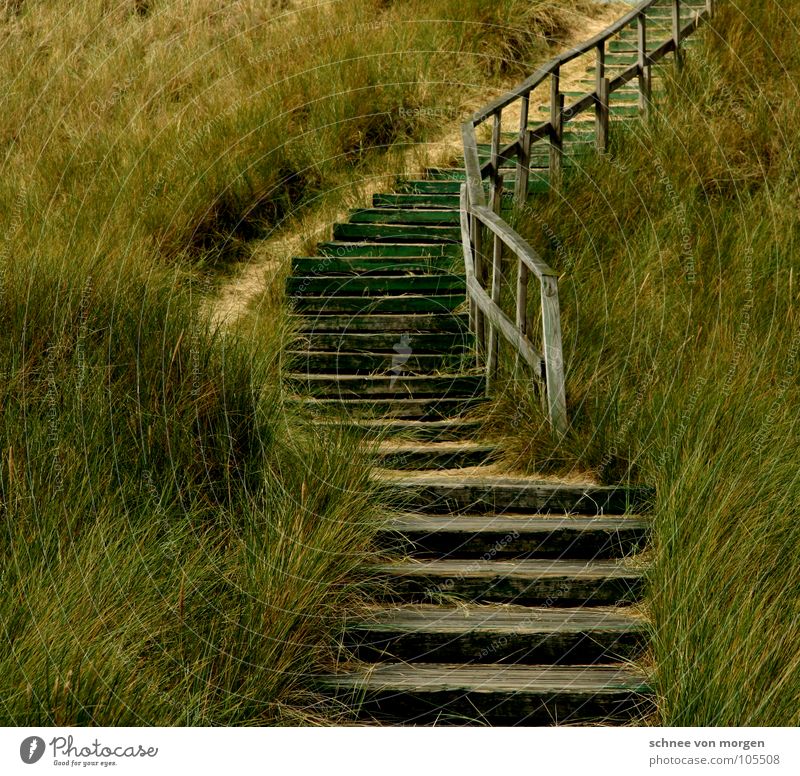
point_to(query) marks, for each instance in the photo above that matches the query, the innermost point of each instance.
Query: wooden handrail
(481, 222)
(530, 83)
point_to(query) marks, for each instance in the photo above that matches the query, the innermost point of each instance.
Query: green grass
(177, 542)
(679, 255)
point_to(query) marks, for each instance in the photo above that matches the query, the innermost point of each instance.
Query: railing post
(605, 115)
(495, 156)
(480, 276)
(523, 279)
(553, 355)
(710, 7)
(557, 122)
(524, 157)
(676, 34)
(600, 114)
(644, 65)
(492, 359)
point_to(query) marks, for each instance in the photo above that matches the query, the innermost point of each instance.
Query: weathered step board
(493, 694)
(435, 455)
(378, 386)
(519, 536)
(496, 634)
(535, 582)
(400, 408)
(492, 495)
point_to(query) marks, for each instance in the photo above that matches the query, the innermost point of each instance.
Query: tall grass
(176, 541)
(679, 255)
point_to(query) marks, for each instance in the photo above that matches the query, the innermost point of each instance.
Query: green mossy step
(342, 362)
(397, 233)
(364, 248)
(362, 305)
(328, 265)
(538, 184)
(375, 285)
(457, 344)
(416, 323)
(496, 634)
(432, 200)
(405, 216)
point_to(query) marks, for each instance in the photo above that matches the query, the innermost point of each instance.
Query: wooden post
(480, 276)
(557, 122)
(523, 279)
(600, 111)
(553, 355)
(644, 66)
(524, 157)
(676, 34)
(605, 115)
(710, 7)
(497, 257)
(495, 156)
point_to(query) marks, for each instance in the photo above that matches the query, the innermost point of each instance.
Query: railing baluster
(600, 117)
(480, 276)
(676, 33)
(557, 122)
(524, 158)
(497, 258)
(553, 355)
(644, 65)
(495, 154)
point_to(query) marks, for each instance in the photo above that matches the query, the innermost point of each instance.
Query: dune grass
(176, 539)
(679, 254)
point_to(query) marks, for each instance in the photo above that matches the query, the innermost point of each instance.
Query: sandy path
(235, 296)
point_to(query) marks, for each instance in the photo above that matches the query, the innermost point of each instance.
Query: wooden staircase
(505, 600)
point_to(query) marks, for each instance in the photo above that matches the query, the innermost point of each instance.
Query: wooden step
(493, 694)
(442, 494)
(433, 200)
(374, 285)
(397, 233)
(536, 185)
(520, 536)
(432, 408)
(414, 323)
(496, 634)
(341, 249)
(448, 430)
(370, 265)
(457, 344)
(380, 386)
(434, 455)
(535, 582)
(388, 215)
(342, 362)
(365, 305)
